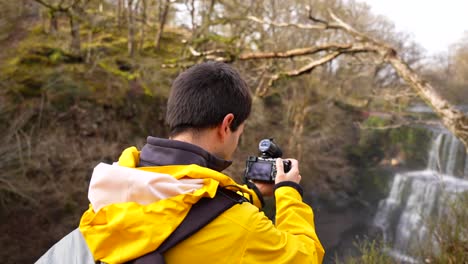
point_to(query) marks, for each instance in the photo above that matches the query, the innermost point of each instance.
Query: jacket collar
(162, 152)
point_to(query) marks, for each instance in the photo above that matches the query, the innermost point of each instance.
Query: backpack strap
(201, 213)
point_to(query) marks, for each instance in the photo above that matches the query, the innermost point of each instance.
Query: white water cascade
(417, 196)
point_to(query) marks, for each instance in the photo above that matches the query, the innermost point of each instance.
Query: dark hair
(204, 94)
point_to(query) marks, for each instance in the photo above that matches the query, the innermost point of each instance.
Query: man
(138, 203)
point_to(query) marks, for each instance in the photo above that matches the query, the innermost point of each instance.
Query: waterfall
(447, 156)
(452, 156)
(466, 168)
(434, 162)
(418, 196)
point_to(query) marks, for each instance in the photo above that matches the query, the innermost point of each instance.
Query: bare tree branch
(293, 52)
(320, 26)
(341, 48)
(399, 124)
(455, 120)
(346, 27)
(305, 69)
(351, 48)
(205, 53)
(314, 19)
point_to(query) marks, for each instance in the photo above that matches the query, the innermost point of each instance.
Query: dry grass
(372, 253)
(46, 162)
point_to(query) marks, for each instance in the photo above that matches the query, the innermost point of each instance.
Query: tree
(131, 28)
(162, 22)
(74, 10)
(448, 72)
(120, 10)
(358, 43)
(144, 7)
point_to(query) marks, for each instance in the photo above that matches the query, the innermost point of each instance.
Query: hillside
(71, 97)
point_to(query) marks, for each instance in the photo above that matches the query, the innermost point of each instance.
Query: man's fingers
(294, 166)
(291, 175)
(279, 165)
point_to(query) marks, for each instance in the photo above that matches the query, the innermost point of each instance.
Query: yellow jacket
(122, 231)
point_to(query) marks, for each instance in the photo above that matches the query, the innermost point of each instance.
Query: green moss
(112, 69)
(407, 142)
(33, 59)
(171, 61)
(56, 56)
(375, 121)
(37, 30)
(107, 44)
(146, 90)
(215, 38)
(414, 142)
(41, 64)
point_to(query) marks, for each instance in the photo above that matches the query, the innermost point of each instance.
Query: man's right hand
(292, 175)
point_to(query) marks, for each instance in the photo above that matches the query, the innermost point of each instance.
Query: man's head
(207, 96)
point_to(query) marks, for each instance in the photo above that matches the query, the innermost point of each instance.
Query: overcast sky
(434, 24)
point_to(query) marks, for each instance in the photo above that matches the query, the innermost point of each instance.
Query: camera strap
(201, 214)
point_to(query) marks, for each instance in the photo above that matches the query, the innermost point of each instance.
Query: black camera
(263, 168)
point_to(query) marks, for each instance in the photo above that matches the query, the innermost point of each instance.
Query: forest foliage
(82, 79)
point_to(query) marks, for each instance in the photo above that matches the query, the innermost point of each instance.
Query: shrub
(449, 233)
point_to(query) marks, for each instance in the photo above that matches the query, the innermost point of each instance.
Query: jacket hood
(133, 210)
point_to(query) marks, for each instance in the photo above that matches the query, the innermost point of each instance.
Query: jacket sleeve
(70, 249)
(292, 240)
(255, 197)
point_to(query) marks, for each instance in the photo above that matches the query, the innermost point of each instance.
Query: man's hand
(292, 175)
(266, 189)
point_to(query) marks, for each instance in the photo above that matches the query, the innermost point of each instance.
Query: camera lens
(264, 145)
(269, 149)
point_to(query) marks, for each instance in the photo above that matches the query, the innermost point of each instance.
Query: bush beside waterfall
(450, 235)
(449, 243)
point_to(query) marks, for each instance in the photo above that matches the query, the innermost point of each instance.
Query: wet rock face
(340, 223)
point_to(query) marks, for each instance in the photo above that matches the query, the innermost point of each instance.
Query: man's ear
(225, 126)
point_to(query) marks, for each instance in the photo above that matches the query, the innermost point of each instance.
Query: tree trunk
(143, 24)
(75, 45)
(123, 13)
(119, 14)
(101, 6)
(192, 16)
(88, 51)
(162, 22)
(53, 25)
(295, 140)
(206, 20)
(131, 29)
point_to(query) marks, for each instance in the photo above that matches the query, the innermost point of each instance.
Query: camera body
(263, 168)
